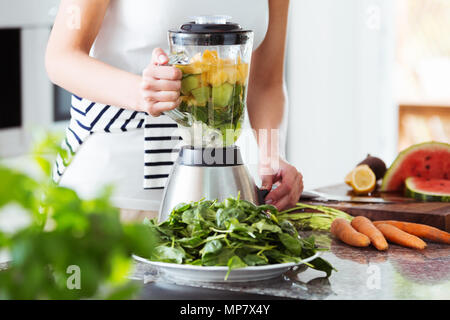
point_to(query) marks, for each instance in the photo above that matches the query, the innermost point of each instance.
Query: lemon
(361, 179)
(348, 178)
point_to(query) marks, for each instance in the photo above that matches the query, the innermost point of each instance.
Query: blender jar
(214, 56)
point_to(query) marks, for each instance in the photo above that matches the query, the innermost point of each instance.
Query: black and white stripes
(161, 143)
(161, 150)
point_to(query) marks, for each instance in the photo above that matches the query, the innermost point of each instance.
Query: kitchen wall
(339, 77)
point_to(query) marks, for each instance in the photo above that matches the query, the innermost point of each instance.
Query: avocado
(201, 95)
(221, 95)
(376, 164)
(189, 83)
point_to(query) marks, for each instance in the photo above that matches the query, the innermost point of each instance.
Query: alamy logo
(374, 279)
(74, 280)
(74, 17)
(373, 17)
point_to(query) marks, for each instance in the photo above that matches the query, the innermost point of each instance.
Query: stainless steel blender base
(192, 180)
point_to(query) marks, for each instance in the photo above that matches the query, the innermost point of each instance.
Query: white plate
(187, 272)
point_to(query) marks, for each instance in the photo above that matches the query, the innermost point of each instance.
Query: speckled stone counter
(399, 273)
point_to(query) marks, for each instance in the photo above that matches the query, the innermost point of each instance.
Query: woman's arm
(69, 65)
(266, 108)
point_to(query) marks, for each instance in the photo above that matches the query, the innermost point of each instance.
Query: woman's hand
(289, 186)
(160, 86)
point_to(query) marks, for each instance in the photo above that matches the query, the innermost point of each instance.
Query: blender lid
(210, 31)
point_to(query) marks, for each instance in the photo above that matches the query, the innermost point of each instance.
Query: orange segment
(215, 71)
(362, 179)
(210, 57)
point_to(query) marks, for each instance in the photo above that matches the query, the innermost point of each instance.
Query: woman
(100, 51)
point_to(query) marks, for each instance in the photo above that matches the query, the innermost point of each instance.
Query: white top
(129, 33)
(132, 29)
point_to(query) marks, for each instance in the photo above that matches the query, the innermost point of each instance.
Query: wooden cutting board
(436, 214)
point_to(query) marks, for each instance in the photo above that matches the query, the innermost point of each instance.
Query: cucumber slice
(221, 95)
(202, 95)
(189, 83)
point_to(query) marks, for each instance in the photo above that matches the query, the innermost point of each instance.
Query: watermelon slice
(428, 189)
(430, 160)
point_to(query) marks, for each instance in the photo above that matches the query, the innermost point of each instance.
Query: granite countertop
(363, 273)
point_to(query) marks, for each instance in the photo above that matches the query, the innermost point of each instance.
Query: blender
(214, 56)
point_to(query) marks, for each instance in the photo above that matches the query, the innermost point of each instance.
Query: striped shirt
(161, 142)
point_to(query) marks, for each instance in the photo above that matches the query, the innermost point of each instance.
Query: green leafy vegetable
(321, 219)
(66, 231)
(234, 263)
(233, 233)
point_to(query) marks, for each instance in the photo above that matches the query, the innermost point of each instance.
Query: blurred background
(363, 76)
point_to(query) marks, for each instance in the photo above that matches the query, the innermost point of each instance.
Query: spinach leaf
(168, 254)
(227, 214)
(234, 263)
(255, 260)
(213, 246)
(265, 225)
(233, 233)
(191, 242)
(219, 258)
(291, 243)
(322, 265)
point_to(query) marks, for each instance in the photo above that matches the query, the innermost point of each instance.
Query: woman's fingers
(165, 106)
(167, 73)
(267, 182)
(157, 108)
(161, 85)
(162, 72)
(290, 187)
(159, 57)
(161, 96)
(285, 187)
(289, 200)
(282, 204)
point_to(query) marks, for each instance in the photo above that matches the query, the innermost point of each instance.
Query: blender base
(208, 173)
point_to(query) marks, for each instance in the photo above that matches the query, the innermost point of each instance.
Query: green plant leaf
(291, 243)
(169, 254)
(234, 263)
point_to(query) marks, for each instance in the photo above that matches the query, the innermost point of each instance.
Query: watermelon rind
(413, 192)
(433, 145)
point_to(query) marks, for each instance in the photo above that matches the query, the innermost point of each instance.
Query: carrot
(420, 230)
(395, 235)
(342, 229)
(365, 226)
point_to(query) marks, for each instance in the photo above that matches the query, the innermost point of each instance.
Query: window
(423, 71)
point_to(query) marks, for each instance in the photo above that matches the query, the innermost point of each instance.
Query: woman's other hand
(161, 85)
(289, 186)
